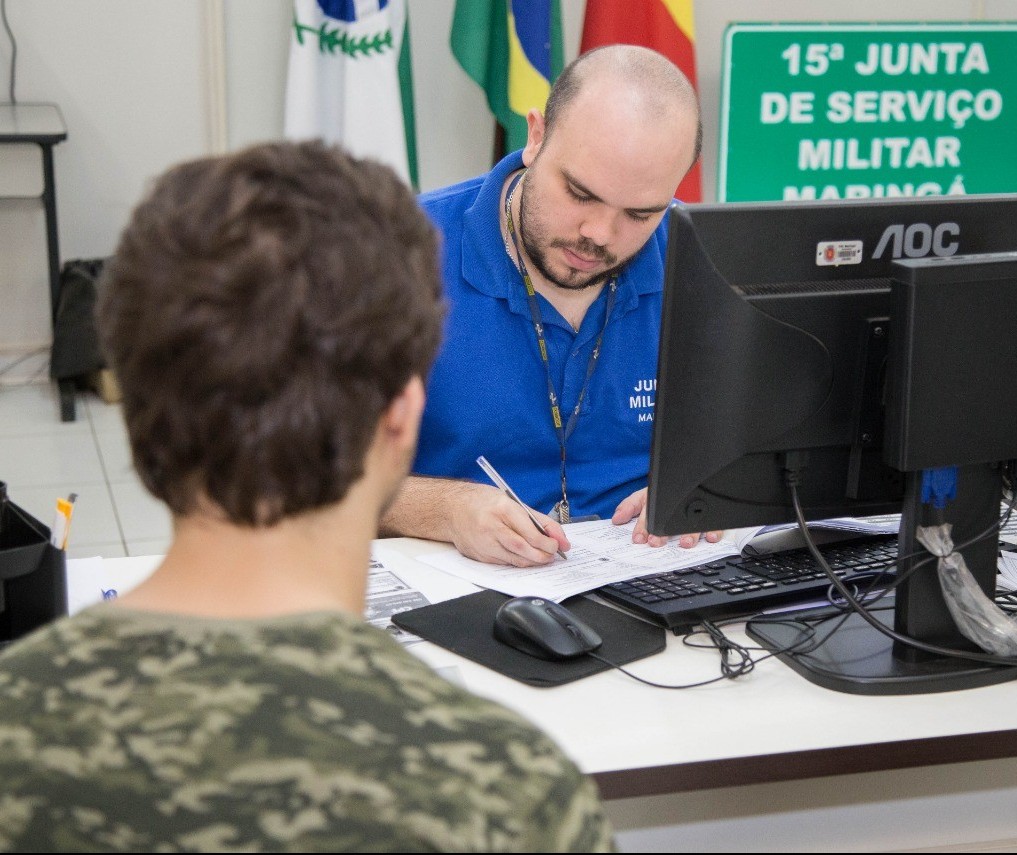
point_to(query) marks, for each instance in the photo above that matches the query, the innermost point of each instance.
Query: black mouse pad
(465, 626)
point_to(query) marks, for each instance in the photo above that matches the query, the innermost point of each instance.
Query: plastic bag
(978, 618)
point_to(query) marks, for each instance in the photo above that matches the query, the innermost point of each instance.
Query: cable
(1006, 600)
(736, 659)
(875, 623)
(639, 679)
(880, 586)
(12, 365)
(993, 528)
(14, 49)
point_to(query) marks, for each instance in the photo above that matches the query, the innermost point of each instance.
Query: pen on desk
(62, 521)
(502, 484)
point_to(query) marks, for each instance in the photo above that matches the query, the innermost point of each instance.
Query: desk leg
(68, 392)
(67, 388)
(52, 248)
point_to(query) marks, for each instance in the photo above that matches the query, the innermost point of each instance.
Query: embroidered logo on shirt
(645, 394)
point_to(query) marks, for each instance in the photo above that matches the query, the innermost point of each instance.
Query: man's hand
(635, 506)
(481, 521)
(488, 526)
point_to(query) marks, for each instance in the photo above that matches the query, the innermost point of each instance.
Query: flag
(664, 25)
(349, 79)
(513, 50)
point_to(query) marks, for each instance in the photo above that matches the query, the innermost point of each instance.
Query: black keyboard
(740, 586)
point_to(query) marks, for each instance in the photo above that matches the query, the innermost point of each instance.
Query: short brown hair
(260, 312)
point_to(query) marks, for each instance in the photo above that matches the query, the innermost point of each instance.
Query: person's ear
(534, 136)
(401, 420)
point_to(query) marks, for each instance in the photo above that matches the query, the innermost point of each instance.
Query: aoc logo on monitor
(918, 240)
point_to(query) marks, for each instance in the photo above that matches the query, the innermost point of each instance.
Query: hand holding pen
(500, 482)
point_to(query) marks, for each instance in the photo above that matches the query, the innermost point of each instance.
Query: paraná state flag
(349, 79)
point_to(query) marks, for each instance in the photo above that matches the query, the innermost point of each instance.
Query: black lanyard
(561, 509)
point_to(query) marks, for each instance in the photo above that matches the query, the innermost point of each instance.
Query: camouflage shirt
(127, 730)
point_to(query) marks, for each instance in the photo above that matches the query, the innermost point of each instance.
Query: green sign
(842, 111)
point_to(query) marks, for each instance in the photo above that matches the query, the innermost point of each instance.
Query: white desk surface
(769, 762)
(772, 725)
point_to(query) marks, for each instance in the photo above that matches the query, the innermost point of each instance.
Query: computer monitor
(833, 345)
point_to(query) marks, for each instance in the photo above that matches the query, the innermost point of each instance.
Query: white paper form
(92, 580)
(1007, 570)
(390, 588)
(880, 524)
(615, 542)
(582, 571)
(601, 553)
(393, 587)
(388, 594)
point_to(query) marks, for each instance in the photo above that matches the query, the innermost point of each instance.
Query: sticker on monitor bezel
(833, 253)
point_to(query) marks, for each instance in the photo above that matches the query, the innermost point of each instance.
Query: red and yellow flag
(664, 25)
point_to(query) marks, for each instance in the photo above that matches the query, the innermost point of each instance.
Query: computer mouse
(544, 629)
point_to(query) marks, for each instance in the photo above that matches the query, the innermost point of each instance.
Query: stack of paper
(601, 553)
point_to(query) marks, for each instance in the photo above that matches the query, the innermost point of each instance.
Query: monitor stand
(857, 658)
(860, 660)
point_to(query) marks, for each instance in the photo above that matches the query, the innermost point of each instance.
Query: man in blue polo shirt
(553, 269)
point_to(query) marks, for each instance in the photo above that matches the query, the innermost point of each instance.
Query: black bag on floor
(75, 352)
(75, 356)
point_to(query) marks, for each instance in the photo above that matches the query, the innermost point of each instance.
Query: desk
(43, 125)
(771, 761)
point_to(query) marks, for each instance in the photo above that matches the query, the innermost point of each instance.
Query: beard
(537, 245)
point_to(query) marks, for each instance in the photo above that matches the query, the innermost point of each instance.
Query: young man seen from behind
(270, 316)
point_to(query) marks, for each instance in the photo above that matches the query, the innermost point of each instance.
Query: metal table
(42, 124)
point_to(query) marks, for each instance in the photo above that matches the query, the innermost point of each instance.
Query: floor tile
(115, 452)
(66, 461)
(34, 408)
(42, 458)
(141, 516)
(103, 416)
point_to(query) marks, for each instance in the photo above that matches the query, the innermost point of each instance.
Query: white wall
(145, 83)
(455, 133)
(128, 78)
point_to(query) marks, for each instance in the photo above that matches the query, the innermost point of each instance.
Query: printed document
(601, 553)
(393, 585)
(881, 524)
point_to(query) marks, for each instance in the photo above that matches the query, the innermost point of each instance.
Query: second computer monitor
(812, 351)
(773, 352)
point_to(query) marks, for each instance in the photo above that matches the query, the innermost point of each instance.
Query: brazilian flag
(513, 50)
